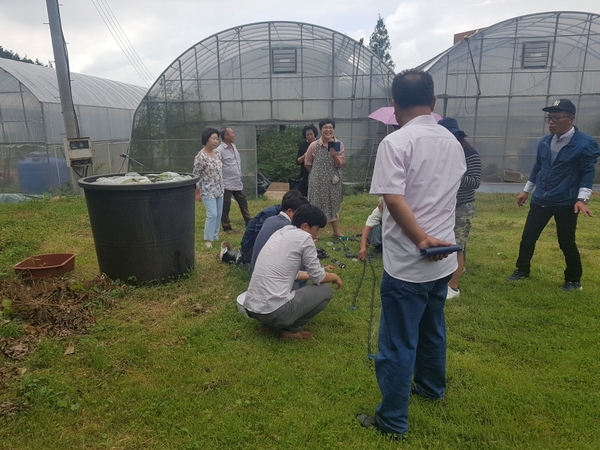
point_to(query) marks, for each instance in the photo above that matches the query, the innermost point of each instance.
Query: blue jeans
(214, 209)
(412, 347)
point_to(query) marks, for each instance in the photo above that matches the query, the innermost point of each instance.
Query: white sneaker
(452, 293)
(208, 244)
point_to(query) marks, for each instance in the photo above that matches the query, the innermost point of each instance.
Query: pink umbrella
(386, 115)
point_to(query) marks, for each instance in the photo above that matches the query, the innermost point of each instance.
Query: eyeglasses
(556, 118)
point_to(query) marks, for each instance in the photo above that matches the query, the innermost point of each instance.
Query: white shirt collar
(568, 134)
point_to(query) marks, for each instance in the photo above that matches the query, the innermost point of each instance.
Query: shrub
(276, 153)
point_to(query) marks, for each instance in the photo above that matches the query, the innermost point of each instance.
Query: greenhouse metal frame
(257, 75)
(496, 82)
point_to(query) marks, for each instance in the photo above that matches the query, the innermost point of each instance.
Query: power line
(122, 41)
(127, 41)
(118, 33)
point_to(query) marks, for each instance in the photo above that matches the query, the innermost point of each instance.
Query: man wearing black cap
(562, 177)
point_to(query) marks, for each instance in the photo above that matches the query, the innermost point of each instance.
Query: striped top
(471, 179)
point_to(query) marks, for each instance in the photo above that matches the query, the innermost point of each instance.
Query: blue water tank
(40, 172)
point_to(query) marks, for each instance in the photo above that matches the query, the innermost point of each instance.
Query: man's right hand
(521, 198)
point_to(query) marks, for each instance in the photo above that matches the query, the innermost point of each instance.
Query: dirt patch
(55, 306)
(52, 307)
(11, 410)
(18, 348)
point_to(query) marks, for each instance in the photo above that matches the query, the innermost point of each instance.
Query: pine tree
(9, 54)
(379, 43)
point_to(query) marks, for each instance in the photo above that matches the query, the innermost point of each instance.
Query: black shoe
(517, 275)
(227, 229)
(368, 421)
(571, 286)
(322, 254)
(371, 422)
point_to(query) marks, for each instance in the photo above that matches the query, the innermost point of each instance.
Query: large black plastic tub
(145, 232)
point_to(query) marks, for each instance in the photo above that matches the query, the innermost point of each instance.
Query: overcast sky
(160, 30)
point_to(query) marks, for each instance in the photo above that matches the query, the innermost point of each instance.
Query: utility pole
(78, 150)
(62, 70)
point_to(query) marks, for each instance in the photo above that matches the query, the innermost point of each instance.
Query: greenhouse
(32, 130)
(496, 82)
(261, 75)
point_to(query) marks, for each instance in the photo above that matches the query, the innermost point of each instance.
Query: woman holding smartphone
(323, 160)
(208, 165)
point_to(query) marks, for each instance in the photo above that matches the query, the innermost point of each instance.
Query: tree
(379, 43)
(9, 54)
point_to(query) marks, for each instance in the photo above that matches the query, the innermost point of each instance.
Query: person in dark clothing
(244, 255)
(272, 224)
(309, 133)
(465, 200)
(254, 227)
(562, 177)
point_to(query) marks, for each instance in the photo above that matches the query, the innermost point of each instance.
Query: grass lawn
(176, 367)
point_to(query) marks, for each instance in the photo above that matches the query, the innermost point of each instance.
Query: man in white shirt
(232, 178)
(270, 298)
(417, 171)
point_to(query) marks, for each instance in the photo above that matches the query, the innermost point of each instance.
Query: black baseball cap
(562, 104)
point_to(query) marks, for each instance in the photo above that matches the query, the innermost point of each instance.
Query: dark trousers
(240, 198)
(566, 224)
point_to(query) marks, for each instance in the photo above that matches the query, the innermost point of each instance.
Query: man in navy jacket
(254, 226)
(562, 177)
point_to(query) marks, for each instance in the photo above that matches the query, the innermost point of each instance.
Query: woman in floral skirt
(324, 158)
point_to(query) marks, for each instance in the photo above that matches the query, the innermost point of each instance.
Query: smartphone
(334, 145)
(432, 251)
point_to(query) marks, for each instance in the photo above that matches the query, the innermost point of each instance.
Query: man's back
(270, 226)
(423, 162)
(252, 230)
